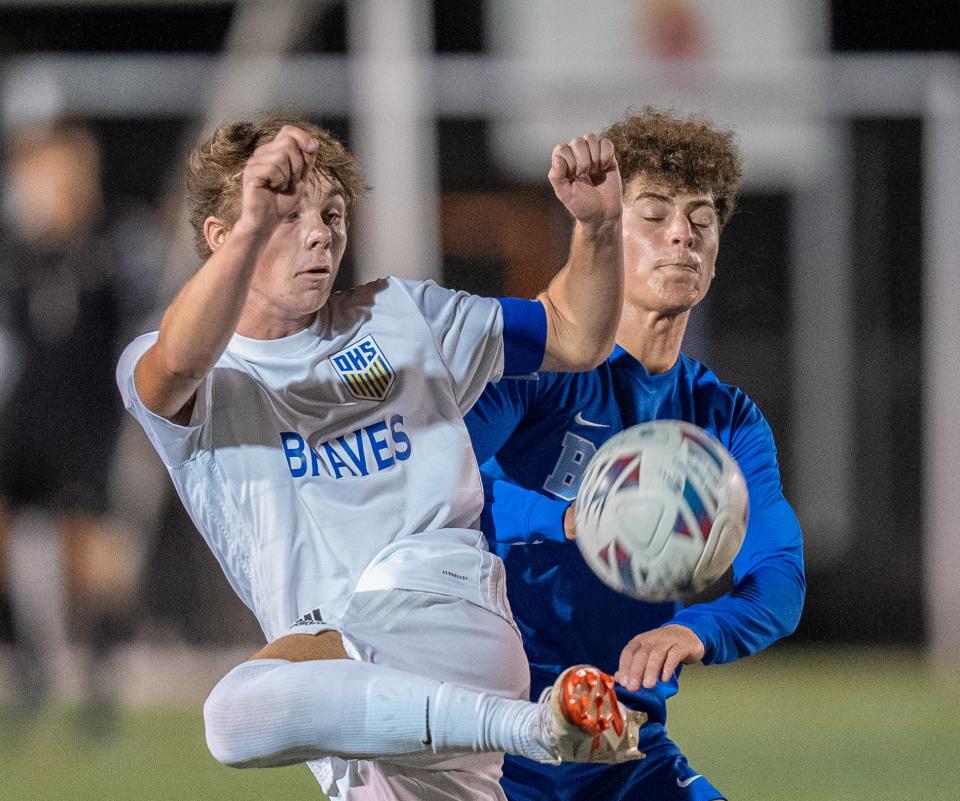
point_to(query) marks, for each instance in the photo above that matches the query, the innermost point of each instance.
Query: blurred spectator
(66, 565)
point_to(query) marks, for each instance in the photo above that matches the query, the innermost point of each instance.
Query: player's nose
(681, 231)
(318, 235)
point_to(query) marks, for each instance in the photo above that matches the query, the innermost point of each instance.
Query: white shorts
(441, 637)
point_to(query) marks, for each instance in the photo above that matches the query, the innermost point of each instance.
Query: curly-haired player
(317, 440)
(680, 183)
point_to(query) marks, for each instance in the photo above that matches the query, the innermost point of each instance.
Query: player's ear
(215, 232)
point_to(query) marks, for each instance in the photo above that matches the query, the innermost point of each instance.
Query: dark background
(879, 598)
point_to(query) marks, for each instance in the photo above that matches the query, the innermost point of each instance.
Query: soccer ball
(661, 510)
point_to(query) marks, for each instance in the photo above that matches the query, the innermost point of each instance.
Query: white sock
(269, 712)
(485, 722)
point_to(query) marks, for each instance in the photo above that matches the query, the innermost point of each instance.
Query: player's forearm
(762, 608)
(584, 299)
(198, 325)
(513, 514)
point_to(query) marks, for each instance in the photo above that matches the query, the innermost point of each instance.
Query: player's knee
(219, 720)
(227, 718)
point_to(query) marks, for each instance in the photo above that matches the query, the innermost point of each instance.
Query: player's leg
(5, 521)
(461, 644)
(101, 570)
(38, 606)
(668, 780)
(524, 780)
(304, 647)
(664, 775)
(674, 780)
(307, 700)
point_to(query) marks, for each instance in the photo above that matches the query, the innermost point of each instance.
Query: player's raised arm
(583, 300)
(198, 324)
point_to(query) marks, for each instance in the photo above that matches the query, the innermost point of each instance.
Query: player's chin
(311, 299)
(676, 299)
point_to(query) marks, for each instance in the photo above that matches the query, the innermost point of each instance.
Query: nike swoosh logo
(578, 419)
(688, 782)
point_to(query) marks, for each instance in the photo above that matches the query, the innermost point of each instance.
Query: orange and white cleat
(583, 721)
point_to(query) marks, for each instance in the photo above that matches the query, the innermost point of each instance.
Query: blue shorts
(663, 775)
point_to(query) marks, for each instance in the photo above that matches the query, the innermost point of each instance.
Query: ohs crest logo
(364, 370)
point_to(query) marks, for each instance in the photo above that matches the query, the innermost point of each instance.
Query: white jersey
(336, 459)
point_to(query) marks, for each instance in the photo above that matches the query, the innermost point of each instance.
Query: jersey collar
(620, 359)
(284, 348)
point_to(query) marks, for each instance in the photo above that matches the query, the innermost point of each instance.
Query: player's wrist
(252, 230)
(569, 523)
(601, 228)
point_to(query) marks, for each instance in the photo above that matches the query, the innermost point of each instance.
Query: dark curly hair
(214, 168)
(685, 154)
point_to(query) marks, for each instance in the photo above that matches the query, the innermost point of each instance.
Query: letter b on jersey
(567, 472)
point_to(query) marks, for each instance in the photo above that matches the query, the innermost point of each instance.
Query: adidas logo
(309, 618)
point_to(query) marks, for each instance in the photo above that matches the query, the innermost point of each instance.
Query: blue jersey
(534, 436)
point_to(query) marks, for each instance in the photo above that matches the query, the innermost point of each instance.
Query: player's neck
(652, 338)
(262, 320)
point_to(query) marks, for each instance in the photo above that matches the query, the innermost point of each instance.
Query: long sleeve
(767, 596)
(769, 585)
(512, 514)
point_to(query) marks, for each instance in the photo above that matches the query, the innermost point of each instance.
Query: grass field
(786, 726)
(830, 726)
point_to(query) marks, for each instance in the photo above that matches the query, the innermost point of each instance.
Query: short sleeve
(175, 444)
(524, 335)
(471, 336)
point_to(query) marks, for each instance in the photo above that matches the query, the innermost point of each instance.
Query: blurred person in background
(534, 437)
(65, 561)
